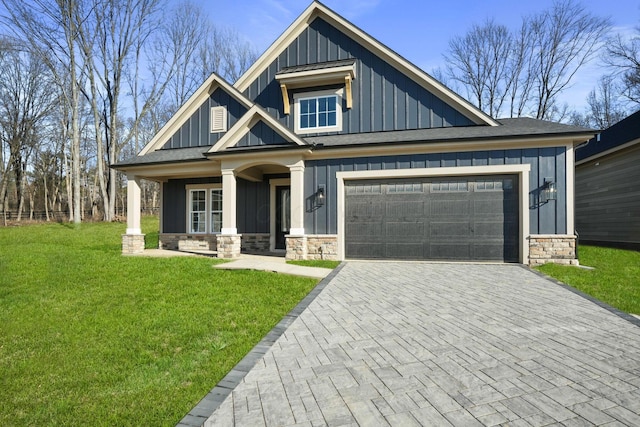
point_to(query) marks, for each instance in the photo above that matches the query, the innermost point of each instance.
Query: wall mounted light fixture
(320, 196)
(549, 191)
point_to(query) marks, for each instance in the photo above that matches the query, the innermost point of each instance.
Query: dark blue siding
(253, 206)
(549, 218)
(174, 203)
(195, 132)
(383, 98)
(261, 134)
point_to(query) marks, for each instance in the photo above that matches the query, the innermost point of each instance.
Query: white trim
(318, 77)
(315, 95)
(244, 125)
(522, 170)
(273, 183)
(316, 10)
(190, 107)
(570, 189)
(218, 119)
(207, 200)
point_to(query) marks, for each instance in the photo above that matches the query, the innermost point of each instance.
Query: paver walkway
(444, 344)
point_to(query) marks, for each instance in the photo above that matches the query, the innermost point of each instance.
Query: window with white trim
(205, 210)
(318, 111)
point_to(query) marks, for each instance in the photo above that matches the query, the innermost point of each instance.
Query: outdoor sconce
(320, 196)
(549, 190)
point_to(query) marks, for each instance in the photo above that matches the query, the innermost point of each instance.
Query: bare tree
(606, 108)
(51, 28)
(480, 61)
(564, 38)
(624, 56)
(532, 67)
(26, 97)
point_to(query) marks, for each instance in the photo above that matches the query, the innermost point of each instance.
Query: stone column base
(132, 244)
(229, 245)
(296, 248)
(552, 248)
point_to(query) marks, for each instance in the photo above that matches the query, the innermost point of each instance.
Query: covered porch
(230, 206)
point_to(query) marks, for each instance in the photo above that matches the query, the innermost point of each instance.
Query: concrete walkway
(438, 344)
(276, 264)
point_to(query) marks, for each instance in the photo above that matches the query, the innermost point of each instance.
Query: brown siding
(608, 198)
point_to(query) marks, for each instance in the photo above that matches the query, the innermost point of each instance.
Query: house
(333, 146)
(608, 186)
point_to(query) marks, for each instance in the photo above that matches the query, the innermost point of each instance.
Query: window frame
(315, 95)
(208, 212)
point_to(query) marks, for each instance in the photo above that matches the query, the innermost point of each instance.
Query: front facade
(608, 186)
(332, 146)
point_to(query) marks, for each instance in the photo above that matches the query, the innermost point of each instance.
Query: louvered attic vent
(218, 119)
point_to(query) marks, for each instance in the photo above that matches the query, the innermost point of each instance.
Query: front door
(283, 214)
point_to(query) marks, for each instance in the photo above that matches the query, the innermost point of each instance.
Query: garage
(469, 218)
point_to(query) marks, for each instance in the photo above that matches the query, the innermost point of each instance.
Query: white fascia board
(244, 125)
(317, 9)
(190, 107)
(322, 76)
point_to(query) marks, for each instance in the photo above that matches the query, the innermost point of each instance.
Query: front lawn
(91, 337)
(615, 279)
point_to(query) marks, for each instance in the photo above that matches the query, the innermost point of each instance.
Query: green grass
(615, 280)
(90, 337)
(316, 263)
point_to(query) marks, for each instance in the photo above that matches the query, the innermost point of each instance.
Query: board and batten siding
(252, 204)
(549, 218)
(384, 99)
(196, 131)
(608, 198)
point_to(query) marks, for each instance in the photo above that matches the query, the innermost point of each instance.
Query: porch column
(228, 241)
(133, 240)
(296, 241)
(297, 199)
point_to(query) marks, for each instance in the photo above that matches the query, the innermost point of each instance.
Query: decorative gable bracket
(314, 75)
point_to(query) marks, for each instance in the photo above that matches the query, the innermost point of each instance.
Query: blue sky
(419, 30)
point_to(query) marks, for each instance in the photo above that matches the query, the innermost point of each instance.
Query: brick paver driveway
(444, 344)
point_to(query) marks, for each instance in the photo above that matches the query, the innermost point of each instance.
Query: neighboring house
(334, 146)
(608, 186)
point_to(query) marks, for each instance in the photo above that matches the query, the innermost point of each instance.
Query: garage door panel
(364, 228)
(366, 250)
(448, 229)
(488, 229)
(450, 251)
(449, 207)
(366, 209)
(406, 230)
(405, 250)
(406, 209)
(467, 218)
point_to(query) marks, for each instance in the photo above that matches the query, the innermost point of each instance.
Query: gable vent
(218, 119)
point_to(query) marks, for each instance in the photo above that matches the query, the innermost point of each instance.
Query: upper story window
(318, 111)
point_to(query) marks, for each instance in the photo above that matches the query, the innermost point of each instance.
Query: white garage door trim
(522, 171)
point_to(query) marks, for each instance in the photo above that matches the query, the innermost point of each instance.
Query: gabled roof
(244, 125)
(623, 134)
(190, 107)
(319, 10)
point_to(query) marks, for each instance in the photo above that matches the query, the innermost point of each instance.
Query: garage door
(461, 218)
